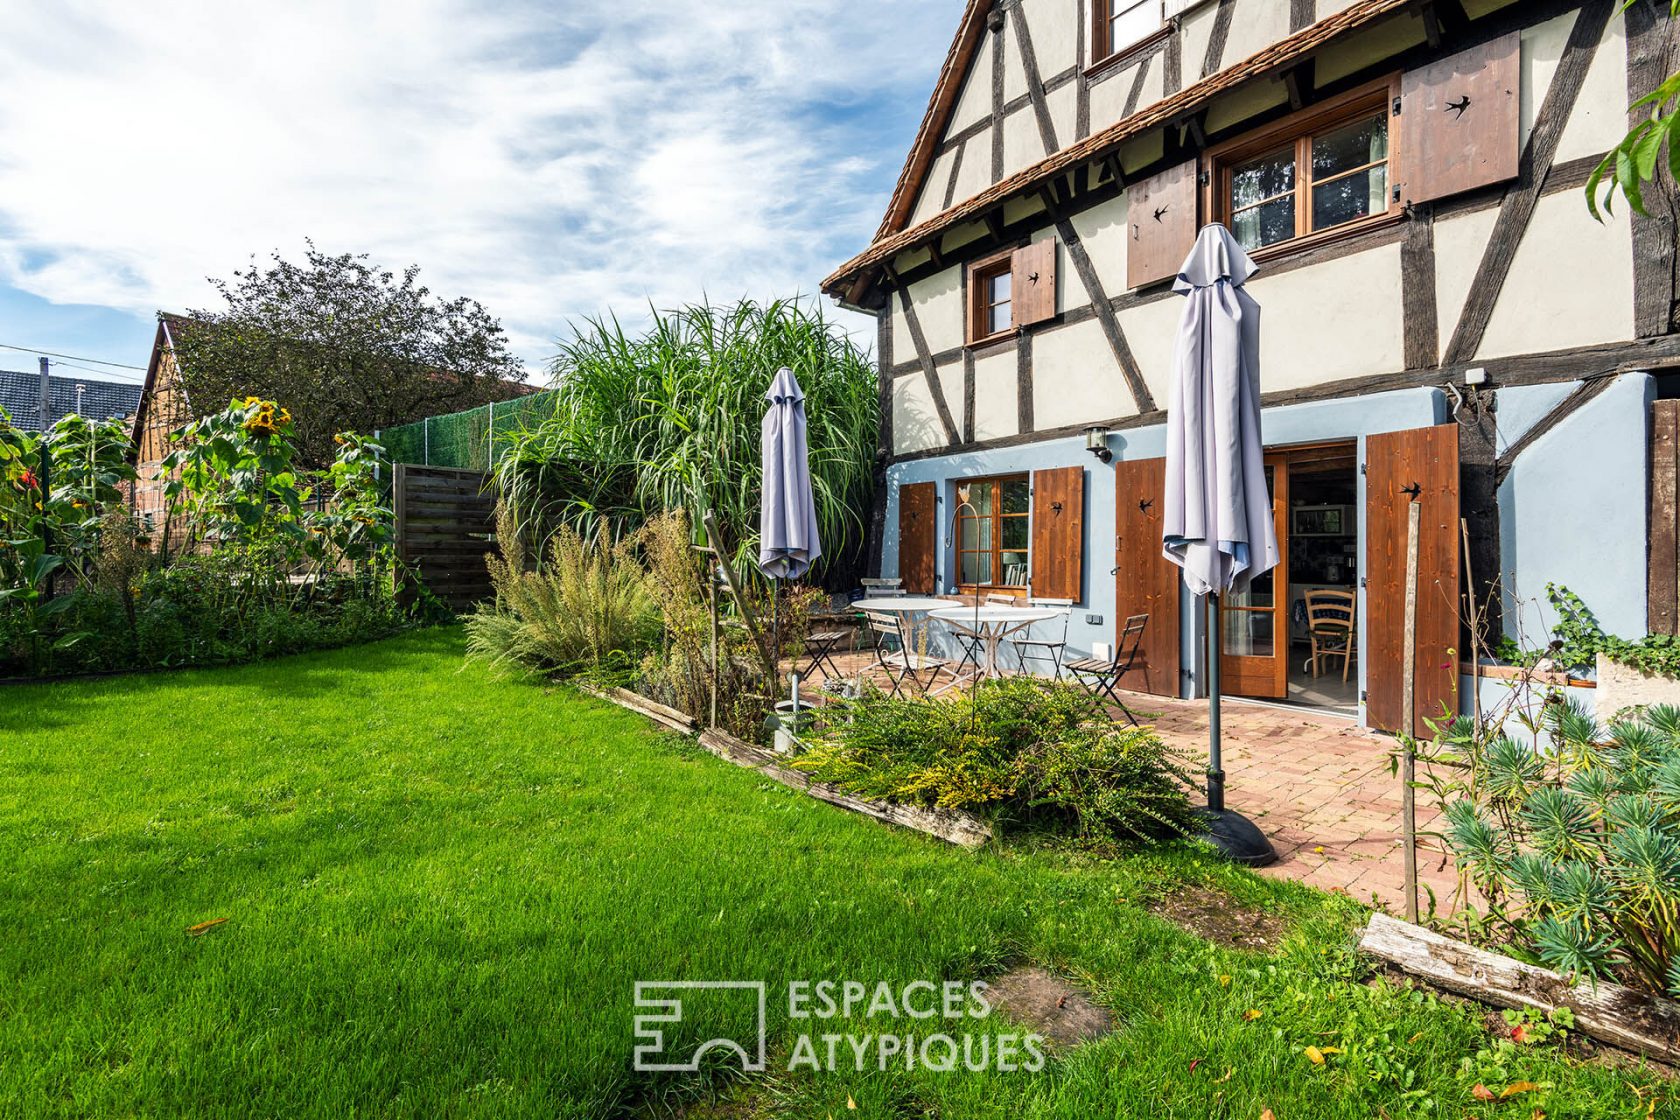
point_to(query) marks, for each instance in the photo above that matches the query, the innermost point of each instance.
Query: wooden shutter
(1161, 211)
(1032, 283)
(1058, 533)
(1448, 145)
(1662, 578)
(1419, 465)
(1145, 581)
(918, 525)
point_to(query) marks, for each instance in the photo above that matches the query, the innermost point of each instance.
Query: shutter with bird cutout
(1033, 283)
(1058, 533)
(1161, 224)
(918, 524)
(1459, 123)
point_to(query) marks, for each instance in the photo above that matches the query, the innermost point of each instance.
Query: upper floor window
(1118, 25)
(1322, 169)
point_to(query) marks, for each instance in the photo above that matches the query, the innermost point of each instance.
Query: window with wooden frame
(1119, 25)
(993, 532)
(1009, 290)
(1321, 173)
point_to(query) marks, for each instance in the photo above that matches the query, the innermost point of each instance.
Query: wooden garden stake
(715, 537)
(1408, 705)
(711, 604)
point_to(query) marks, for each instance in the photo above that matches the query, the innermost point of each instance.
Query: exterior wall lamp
(1096, 442)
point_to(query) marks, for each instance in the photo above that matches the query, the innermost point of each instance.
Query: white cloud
(553, 160)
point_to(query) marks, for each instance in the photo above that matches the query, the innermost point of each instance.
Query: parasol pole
(1216, 769)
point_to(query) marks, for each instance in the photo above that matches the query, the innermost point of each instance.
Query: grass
(440, 889)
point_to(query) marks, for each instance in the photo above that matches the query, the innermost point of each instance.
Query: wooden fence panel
(1662, 582)
(445, 519)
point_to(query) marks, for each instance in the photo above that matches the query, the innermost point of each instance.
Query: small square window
(991, 297)
(1119, 25)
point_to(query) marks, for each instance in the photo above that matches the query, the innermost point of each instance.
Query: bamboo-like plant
(670, 419)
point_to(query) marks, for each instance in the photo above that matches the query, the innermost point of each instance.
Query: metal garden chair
(1102, 677)
(1049, 650)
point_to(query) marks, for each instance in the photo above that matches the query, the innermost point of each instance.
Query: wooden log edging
(950, 825)
(641, 705)
(1610, 1013)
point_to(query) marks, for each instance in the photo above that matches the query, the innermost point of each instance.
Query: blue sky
(552, 160)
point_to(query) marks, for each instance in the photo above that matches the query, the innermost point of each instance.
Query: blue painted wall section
(1348, 419)
(1572, 510)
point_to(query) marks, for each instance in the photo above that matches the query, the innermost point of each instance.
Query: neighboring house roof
(96, 399)
(892, 239)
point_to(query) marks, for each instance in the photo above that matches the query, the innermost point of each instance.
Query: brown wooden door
(918, 525)
(1254, 622)
(1420, 465)
(1145, 581)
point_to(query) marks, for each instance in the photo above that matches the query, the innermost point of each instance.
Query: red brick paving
(1318, 786)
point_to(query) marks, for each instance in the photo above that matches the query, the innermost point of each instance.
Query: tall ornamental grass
(669, 420)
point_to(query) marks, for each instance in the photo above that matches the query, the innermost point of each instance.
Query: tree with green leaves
(350, 346)
(1639, 158)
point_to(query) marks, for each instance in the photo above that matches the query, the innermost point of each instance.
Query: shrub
(1019, 748)
(585, 606)
(1578, 853)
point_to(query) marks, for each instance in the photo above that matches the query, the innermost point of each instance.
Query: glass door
(1254, 622)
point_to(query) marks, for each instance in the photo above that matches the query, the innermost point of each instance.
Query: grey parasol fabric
(788, 542)
(1217, 513)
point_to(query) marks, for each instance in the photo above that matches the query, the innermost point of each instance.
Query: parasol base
(1236, 837)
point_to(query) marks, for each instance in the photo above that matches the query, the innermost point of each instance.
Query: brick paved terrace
(1318, 785)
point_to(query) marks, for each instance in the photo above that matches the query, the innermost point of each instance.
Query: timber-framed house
(1443, 321)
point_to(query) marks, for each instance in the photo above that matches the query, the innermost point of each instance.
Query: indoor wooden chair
(1101, 677)
(1330, 627)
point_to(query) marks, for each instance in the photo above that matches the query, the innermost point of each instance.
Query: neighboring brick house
(162, 409)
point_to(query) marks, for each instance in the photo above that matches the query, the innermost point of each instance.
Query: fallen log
(641, 705)
(1611, 1013)
(963, 829)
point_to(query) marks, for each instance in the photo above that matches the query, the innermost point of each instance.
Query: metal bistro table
(992, 625)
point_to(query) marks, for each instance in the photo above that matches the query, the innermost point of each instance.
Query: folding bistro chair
(901, 663)
(1051, 650)
(1101, 677)
(820, 647)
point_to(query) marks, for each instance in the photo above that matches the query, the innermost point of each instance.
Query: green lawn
(440, 889)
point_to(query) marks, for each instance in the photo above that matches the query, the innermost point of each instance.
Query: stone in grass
(1051, 1006)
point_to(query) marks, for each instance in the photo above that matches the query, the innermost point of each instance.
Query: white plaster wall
(974, 174)
(1599, 119)
(1571, 283)
(1151, 331)
(1459, 244)
(975, 101)
(1334, 320)
(1022, 145)
(1014, 70)
(1108, 97)
(1103, 231)
(1254, 27)
(1326, 8)
(915, 420)
(938, 303)
(932, 199)
(1542, 47)
(951, 385)
(1063, 104)
(1248, 101)
(996, 409)
(1075, 380)
(1195, 28)
(1054, 25)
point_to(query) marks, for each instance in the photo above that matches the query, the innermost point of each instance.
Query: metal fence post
(426, 441)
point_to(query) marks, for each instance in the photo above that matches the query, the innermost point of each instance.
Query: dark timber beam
(1110, 322)
(1567, 407)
